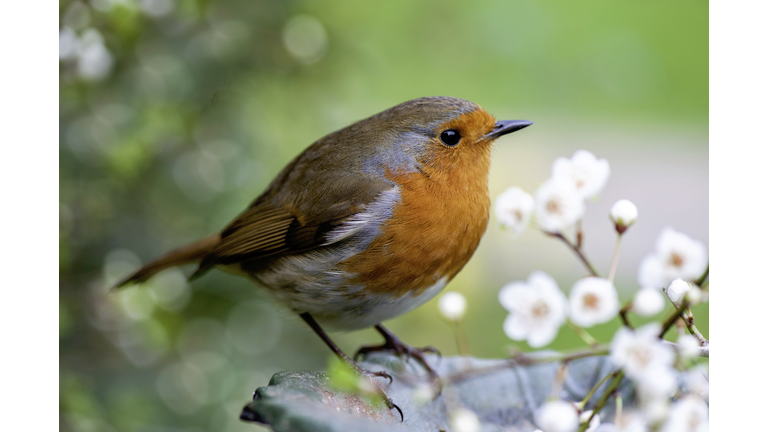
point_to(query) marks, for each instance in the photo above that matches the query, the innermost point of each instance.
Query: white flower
(689, 414)
(656, 382)
(677, 291)
(585, 171)
(697, 381)
(464, 420)
(630, 421)
(557, 416)
(656, 410)
(640, 350)
(688, 347)
(537, 308)
(452, 305)
(514, 208)
(676, 256)
(623, 214)
(593, 301)
(594, 424)
(648, 301)
(558, 205)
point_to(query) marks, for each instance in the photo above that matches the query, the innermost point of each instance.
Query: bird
(366, 224)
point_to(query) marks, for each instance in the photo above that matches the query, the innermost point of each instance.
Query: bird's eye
(450, 137)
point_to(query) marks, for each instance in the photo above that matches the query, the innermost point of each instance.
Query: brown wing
(269, 229)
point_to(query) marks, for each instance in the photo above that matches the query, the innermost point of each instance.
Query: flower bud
(623, 214)
(452, 305)
(695, 295)
(557, 416)
(677, 290)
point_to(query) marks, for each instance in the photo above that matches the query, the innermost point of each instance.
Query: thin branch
(703, 350)
(591, 393)
(623, 314)
(615, 259)
(583, 334)
(704, 276)
(576, 250)
(688, 320)
(522, 359)
(672, 318)
(604, 399)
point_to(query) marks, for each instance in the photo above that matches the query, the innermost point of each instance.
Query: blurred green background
(175, 114)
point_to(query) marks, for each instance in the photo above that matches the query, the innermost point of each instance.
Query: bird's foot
(376, 385)
(394, 344)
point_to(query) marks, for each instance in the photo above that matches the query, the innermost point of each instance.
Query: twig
(615, 259)
(583, 334)
(603, 399)
(591, 393)
(522, 359)
(704, 276)
(688, 320)
(703, 350)
(576, 250)
(579, 234)
(672, 318)
(623, 315)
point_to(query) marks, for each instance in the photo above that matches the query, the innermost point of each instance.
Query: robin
(366, 224)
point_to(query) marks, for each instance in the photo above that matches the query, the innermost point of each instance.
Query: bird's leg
(393, 343)
(366, 373)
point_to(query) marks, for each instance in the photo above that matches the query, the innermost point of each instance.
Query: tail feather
(183, 255)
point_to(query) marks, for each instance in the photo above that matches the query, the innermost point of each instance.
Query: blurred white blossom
(558, 205)
(584, 170)
(689, 414)
(452, 305)
(305, 38)
(697, 381)
(676, 256)
(688, 347)
(656, 410)
(656, 382)
(537, 308)
(69, 44)
(640, 350)
(648, 301)
(557, 416)
(514, 208)
(677, 291)
(623, 214)
(464, 420)
(594, 424)
(593, 301)
(157, 8)
(94, 62)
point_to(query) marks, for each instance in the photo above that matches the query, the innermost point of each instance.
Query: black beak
(507, 126)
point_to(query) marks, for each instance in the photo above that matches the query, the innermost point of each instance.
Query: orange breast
(434, 230)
